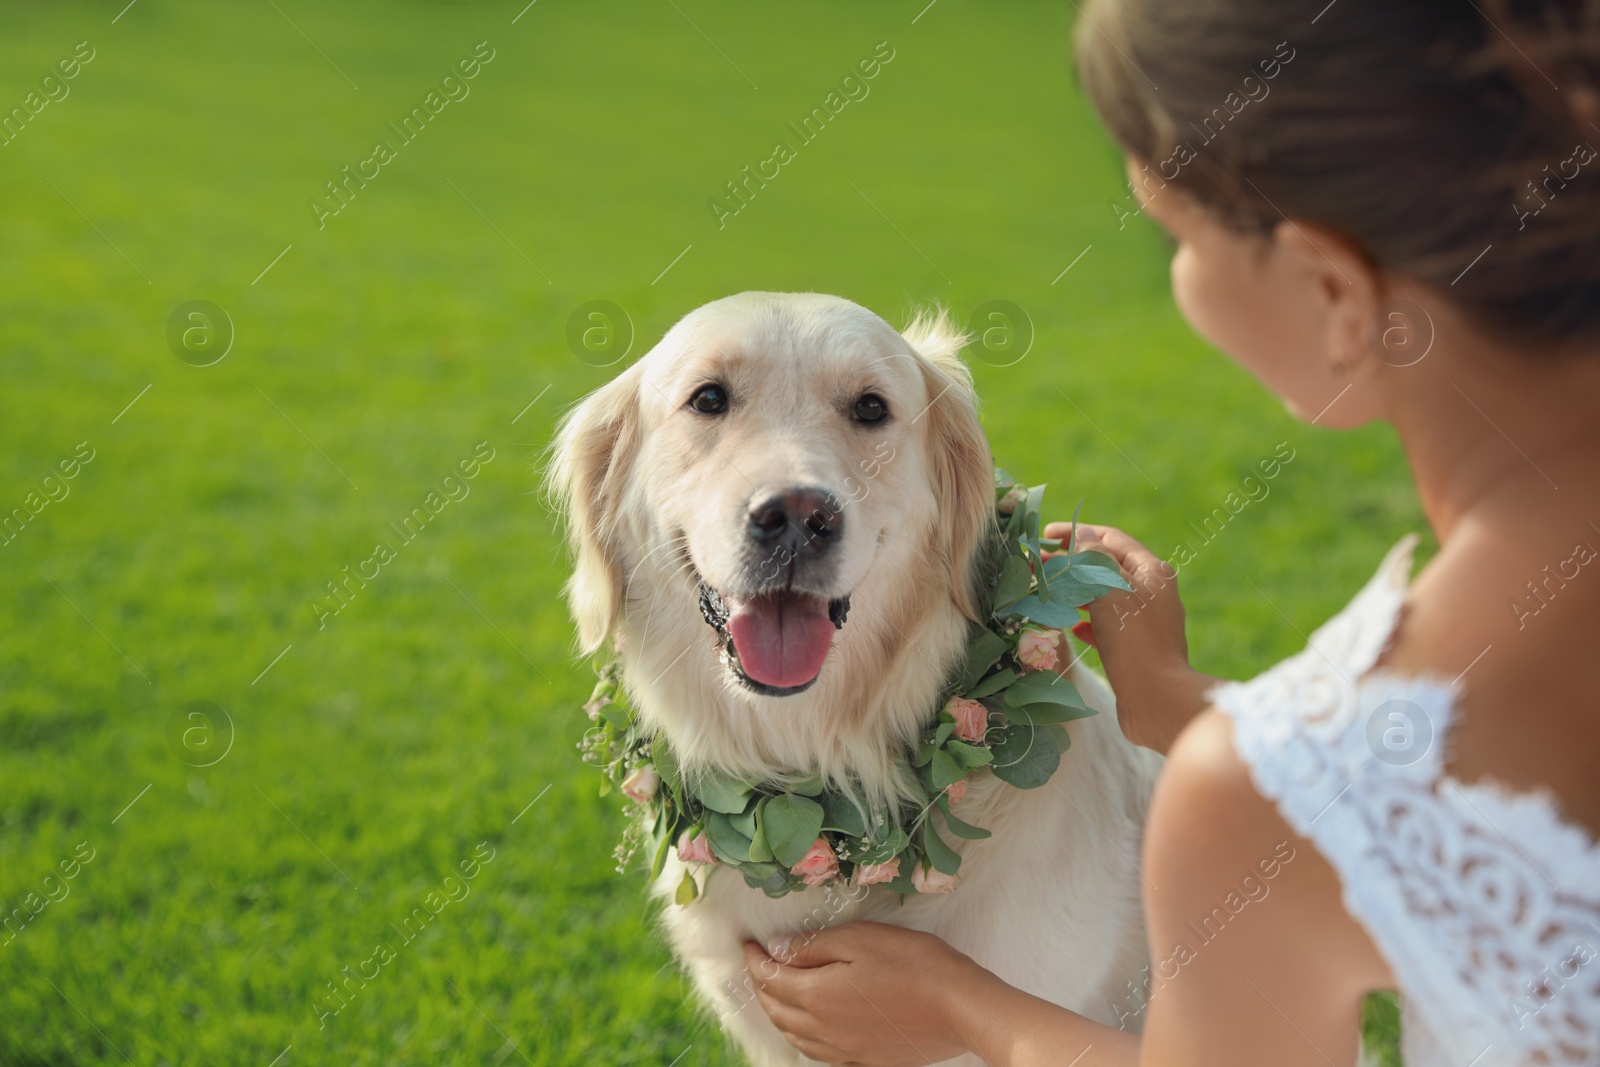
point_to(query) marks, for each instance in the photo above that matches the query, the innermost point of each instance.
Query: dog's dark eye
(709, 400)
(871, 409)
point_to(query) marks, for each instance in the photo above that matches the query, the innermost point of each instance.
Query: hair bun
(1550, 51)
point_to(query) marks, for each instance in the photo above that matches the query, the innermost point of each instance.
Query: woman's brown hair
(1454, 141)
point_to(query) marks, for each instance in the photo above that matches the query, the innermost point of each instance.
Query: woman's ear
(591, 456)
(1348, 286)
(958, 454)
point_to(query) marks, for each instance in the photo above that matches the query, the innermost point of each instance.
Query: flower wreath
(1003, 712)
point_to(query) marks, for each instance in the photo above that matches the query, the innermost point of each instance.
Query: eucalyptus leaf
(959, 828)
(659, 859)
(993, 683)
(1093, 574)
(842, 816)
(946, 771)
(760, 849)
(721, 792)
(985, 647)
(969, 756)
(811, 786)
(1042, 687)
(745, 821)
(1026, 756)
(902, 883)
(1095, 559)
(666, 765)
(757, 873)
(1047, 714)
(883, 851)
(687, 890)
(791, 824)
(1057, 614)
(729, 844)
(944, 858)
(1016, 578)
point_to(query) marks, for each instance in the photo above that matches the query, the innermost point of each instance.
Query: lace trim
(1484, 902)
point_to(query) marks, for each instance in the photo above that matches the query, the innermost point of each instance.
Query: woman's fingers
(1135, 560)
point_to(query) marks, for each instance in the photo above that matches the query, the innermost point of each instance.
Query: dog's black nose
(799, 517)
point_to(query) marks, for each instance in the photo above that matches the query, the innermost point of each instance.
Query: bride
(1404, 226)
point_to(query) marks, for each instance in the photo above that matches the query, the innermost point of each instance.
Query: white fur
(1050, 903)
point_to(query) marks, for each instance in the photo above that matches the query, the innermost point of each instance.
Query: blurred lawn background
(370, 757)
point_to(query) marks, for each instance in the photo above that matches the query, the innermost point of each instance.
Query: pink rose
(956, 790)
(1014, 496)
(818, 865)
(1036, 648)
(932, 881)
(972, 718)
(640, 785)
(697, 850)
(877, 873)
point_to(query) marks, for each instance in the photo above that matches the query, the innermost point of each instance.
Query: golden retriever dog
(825, 478)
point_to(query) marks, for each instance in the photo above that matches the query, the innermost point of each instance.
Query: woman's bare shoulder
(1509, 616)
(1216, 847)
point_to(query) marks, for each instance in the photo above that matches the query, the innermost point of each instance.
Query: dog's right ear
(592, 453)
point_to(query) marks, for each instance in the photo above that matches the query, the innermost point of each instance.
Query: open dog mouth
(774, 643)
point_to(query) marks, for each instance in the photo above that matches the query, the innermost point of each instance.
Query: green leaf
(757, 873)
(1047, 714)
(666, 765)
(902, 883)
(992, 684)
(1015, 581)
(883, 851)
(840, 815)
(1058, 614)
(1043, 687)
(1094, 559)
(1042, 572)
(791, 824)
(946, 771)
(810, 787)
(760, 848)
(1026, 756)
(729, 844)
(1092, 574)
(745, 821)
(719, 792)
(986, 647)
(959, 828)
(969, 756)
(944, 858)
(687, 890)
(659, 859)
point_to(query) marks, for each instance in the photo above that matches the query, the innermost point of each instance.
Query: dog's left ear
(963, 470)
(588, 469)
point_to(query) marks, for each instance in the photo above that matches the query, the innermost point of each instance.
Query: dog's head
(773, 457)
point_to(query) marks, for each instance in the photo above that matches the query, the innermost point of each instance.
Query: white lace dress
(1484, 902)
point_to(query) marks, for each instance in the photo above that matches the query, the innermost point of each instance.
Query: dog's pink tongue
(781, 640)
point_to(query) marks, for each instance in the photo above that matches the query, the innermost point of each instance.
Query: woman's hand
(866, 993)
(1140, 638)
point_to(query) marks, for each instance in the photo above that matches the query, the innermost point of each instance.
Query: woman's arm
(1252, 957)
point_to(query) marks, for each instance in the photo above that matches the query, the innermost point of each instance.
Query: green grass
(378, 752)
